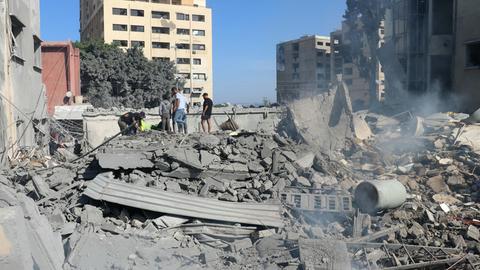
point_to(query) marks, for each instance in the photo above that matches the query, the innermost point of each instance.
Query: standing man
(207, 113)
(165, 111)
(179, 109)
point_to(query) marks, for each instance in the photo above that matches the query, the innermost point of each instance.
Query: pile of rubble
(248, 200)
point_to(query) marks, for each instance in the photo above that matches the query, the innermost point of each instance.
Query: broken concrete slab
(437, 184)
(105, 189)
(117, 161)
(306, 161)
(187, 157)
(206, 158)
(169, 221)
(15, 253)
(41, 187)
(92, 215)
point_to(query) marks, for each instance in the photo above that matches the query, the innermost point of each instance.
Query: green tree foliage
(114, 77)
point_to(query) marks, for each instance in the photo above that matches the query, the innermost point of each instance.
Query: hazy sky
(245, 34)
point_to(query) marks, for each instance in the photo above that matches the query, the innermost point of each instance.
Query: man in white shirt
(179, 109)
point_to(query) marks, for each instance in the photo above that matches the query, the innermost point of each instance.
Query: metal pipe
(372, 196)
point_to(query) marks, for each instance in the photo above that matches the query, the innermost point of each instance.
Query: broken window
(198, 18)
(183, 17)
(137, 12)
(197, 61)
(120, 43)
(17, 31)
(199, 47)
(137, 43)
(181, 31)
(137, 28)
(160, 45)
(161, 15)
(119, 11)
(183, 46)
(120, 27)
(183, 61)
(473, 55)
(199, 32)
(160, 30)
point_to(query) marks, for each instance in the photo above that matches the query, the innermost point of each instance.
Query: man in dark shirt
(207, 113)
(129, 122)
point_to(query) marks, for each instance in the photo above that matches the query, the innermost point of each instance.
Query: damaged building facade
(342, 63)
(303, 67)
(435, 49)
(22, 93)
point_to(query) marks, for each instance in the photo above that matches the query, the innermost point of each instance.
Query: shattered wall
(324, 122)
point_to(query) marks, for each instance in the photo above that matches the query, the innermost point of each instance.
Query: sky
(245, 34)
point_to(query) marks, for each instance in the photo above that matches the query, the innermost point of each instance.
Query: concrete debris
(252, 200)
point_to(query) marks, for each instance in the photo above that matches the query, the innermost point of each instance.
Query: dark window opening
(120, 27)
(160, 45)
(137, 12)
(136, 43)
(160, 30)
(119, 11)
(160, 15)
(473, 55)
(120, 43)
(198, 18)
(137, 28)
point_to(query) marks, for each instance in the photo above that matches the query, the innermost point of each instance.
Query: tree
(114, 77)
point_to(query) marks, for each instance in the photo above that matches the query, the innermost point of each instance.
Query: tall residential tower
(168, 30)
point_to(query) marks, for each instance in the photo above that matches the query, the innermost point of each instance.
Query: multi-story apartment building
(343, 63)
(168, 30)
(22, 105)
(303, 67)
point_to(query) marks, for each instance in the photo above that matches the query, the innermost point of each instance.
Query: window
(17, 31)
(199, 33)
(183, 61)
(37, 44)
(120, 27)
(119, 11)
(198, 18)
(183, 17)
(162, 59)
(200, 76)
(198, 47)
(296, 47)
(181, 31)
(160, 45)
(197, 61)
(120, 43)
(136, 43)
(137, 12)
(295, 67)
(473, 55)
(327, 44)
(187, 91)
(183, 46)
(137, 28)
(348, 71)
(319, 43)
(161, 30)
(320, 76)
(160, 15)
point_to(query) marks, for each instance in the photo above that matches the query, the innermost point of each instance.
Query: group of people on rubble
(173, 113)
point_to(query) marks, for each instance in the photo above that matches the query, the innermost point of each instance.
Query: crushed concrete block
(290, 155)
(255, 167)
(293, 236)
(169, 221)
(437, 184)
(162, 166)
(416, 230)
(324, 180)
(187, 157)
(41, 187)
(266, 152)
(303, 181)
(228, 197)
(306, 161)
(263, 233)
(92, 215)
(206, 158)
(68, 228)
(456, 181)
(242, 244)
(111, 228)
(209, 140)
(473, 233)
(57, 219)
(173, 187)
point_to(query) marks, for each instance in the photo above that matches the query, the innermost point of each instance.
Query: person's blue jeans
(180, 119)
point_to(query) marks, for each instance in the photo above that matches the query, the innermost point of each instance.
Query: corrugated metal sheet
(106, 189)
